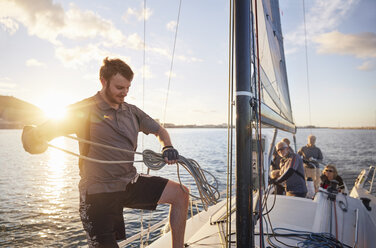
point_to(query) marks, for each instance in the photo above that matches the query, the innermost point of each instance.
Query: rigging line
(144, 59)
(172, 63)
(230, 122)
(101, 145)
(143, 79)
(143, 108)
(307, 71)
(258, 115)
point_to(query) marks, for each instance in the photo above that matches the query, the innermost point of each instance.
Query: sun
(54, 106)
(54, 111)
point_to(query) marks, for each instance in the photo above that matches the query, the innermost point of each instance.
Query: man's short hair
(280, 145)
(312, 138)
(286, 140)
(111, 67)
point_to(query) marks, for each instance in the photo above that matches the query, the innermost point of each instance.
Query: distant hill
(15, 113)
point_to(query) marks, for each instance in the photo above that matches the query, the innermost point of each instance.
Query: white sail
(276, 108)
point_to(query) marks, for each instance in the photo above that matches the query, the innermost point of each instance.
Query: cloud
(170, 74)
(86, 24)
(145, 70)
(96, 35)
(49, 21)
(9, 25)
(138, 14)
(367, 66)
(189, 59)
(42, 18)
(359, 45)
(171, 26)
(35, 63)
(322, 17)
(77, 56)
(134, 41)
(7, 86)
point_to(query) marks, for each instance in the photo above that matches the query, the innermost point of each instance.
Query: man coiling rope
(104, 190)
(209, 194)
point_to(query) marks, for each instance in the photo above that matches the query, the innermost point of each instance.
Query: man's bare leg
(178, 200)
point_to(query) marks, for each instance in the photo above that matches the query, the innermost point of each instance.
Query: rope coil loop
(153, 160)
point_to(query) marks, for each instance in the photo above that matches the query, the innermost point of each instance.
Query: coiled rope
(208, 193)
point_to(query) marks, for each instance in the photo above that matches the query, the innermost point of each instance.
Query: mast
(244, 225)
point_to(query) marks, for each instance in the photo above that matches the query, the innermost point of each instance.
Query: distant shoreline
(20, 126)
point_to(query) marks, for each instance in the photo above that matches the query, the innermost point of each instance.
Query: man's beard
(110, 97)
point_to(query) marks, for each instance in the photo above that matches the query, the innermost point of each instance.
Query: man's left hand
(170, 154)
(273, 181)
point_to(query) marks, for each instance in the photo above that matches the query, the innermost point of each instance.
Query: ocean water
(39, 196)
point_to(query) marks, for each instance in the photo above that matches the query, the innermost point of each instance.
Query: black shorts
(102, 214)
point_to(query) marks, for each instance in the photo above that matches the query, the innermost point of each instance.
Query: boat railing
(366, 177)
(373, 177)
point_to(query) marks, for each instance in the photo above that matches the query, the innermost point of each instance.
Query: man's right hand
(32, 141)
(170, 154)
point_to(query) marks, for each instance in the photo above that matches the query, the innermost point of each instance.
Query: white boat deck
(351, 223)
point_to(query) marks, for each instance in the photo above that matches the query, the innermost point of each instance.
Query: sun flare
(54, 111)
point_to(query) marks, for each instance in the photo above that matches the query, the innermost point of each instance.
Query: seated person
(328, 174)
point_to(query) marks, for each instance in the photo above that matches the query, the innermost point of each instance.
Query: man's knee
(175, 193)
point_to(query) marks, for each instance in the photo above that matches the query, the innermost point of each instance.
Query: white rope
(208, 193)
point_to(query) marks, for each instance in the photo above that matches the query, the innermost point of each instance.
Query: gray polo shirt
(118, 128)
(311, 152)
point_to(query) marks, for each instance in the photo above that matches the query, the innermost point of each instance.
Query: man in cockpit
(312, 157)
(291, 172)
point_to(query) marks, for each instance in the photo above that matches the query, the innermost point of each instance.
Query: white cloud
(367, 66)
(134, 41)
(188, 59)
(7, 86)
(145, 70)
(322, 17)
(87, 24)
(42, 18)
(359, 45)
(35, 63)
(138, 14)
(171, 26)
(168, 74)
(9, 25)
(49, 21)
(77, 56)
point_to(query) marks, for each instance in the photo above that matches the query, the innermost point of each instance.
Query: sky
(51, 52)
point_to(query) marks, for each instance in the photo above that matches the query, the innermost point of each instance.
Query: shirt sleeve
(320, 157)
(147, 124)
(289, 168)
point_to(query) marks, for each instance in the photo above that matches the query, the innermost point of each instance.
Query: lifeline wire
(209, 194)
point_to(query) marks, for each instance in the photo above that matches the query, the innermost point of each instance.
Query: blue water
(39, 197)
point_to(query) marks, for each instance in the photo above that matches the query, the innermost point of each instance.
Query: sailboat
(254, 217)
